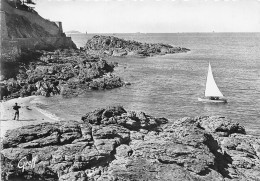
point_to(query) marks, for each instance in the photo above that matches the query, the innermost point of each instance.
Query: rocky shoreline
(115, 144)
(65, 72)
(71, 72)
(113, 46)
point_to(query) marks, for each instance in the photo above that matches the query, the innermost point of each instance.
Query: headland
(113, 46)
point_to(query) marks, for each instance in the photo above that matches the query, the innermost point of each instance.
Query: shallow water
(170, 85)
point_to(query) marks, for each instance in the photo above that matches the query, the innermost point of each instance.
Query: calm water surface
(170, 85)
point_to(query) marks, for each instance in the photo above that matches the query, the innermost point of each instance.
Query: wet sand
(29, 114)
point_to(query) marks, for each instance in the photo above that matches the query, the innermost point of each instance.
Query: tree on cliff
(21, 4)
(28, 2)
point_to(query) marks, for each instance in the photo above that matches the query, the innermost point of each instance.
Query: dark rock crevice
(170, 162)
(221, 161)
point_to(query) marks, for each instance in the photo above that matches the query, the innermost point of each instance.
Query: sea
(169, 85)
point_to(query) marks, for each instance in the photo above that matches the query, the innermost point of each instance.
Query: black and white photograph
(130, 90)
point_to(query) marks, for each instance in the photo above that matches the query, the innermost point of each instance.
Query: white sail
(212, 89)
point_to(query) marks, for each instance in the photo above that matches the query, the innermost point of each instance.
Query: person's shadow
(26, 120)
(18, 120)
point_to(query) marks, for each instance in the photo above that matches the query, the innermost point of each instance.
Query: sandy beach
(29, 113)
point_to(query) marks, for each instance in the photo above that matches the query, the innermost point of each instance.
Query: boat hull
(212, 101)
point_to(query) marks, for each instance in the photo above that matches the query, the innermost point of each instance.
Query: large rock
(115, 144)
(118, 115)
(220, 125)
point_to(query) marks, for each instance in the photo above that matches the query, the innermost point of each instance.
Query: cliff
(24, 27)
(114, 144)
(113, 46)
(23, 32)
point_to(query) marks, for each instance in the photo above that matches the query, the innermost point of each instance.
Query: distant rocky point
(112, 144)
(73, 32)
(113, 46)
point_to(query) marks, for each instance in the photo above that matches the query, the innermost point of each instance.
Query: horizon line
(157, 32)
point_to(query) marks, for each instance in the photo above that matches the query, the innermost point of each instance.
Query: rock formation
(113, 46)
(114, 144)
(23, 32)
(66, 72)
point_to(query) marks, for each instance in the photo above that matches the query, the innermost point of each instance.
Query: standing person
(16, 108)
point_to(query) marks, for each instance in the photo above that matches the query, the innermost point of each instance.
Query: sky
(153, 16)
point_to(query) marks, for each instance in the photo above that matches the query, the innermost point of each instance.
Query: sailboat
(212, 92)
